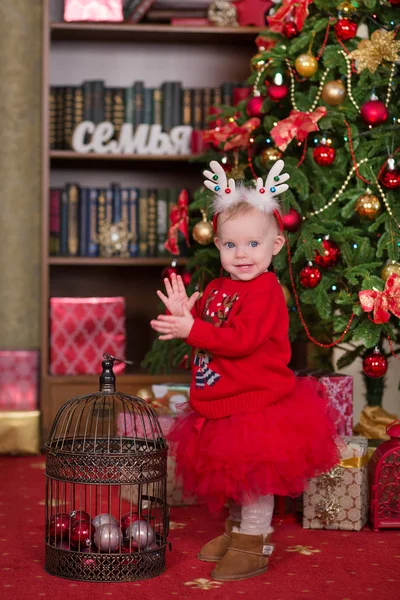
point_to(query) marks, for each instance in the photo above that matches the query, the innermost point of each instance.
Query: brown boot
(247, 556)
(214, 550)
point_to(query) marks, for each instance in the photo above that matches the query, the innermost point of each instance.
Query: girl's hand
(176, 296)
(173, 327)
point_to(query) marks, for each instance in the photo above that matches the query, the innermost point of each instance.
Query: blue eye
(230, 245)
(254, 244)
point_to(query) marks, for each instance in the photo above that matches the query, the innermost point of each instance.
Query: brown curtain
(20, 172)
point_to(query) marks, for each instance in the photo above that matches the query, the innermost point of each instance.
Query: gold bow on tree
(371, 53)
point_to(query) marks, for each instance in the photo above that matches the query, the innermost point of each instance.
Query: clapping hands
(176, 296)
(179, 323)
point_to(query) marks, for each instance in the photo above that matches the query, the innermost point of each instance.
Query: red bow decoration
(296, 9)
(234, 135)
(179, 217)
(298, 125)
(382, 303)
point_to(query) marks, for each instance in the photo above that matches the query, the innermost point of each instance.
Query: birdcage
(92, 533)
(384, 468)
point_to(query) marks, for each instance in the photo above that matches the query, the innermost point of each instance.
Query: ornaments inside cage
(106, 468)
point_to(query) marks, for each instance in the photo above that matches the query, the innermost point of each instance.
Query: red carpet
(317, 565)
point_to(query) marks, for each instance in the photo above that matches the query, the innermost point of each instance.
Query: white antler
(275, 182)
(216, 180)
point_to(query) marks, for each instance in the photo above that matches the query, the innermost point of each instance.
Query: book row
(78, 213)
(169, 105)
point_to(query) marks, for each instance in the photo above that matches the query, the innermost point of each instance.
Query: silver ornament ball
(141, 532)
(104, 519)
(108, 537)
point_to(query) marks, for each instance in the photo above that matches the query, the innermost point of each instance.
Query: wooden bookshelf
(136, 279)
(74, 160)
(125, 32)
(157, 261)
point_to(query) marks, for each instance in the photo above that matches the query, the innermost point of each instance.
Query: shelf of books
(126, 32)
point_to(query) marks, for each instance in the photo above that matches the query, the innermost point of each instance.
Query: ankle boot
(247, 556)
(214, 550)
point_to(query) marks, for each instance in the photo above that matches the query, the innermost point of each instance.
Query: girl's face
(247, 242)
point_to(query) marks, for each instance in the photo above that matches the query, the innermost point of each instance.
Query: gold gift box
(339, 499)
(19, 432)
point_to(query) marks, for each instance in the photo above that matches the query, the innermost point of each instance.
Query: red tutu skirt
(249, 454)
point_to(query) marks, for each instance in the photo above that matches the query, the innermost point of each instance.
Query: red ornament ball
(346, 29)
(375, 365)
(276, 93)
(330, 256)
(186, 278)
(168, 271)
(310, 276)
(290, 29)
(374, 112)
(82, 533)
(324, 155)
(394, 2)
(390, 178)
(292, 220)
(80, 515)
(59, 525)
(254, 106)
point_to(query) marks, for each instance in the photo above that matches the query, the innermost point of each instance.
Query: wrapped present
(339, 499)
(19, 432)
(338, 389)
(19, 379)
(93, 10)
(81, 330)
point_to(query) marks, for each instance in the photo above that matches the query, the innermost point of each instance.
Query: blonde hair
(242, 207)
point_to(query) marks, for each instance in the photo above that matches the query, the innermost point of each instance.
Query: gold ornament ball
(286, 292)
(145, 394)
(333, 93)
(390, 268)
(203, 233)
(270, 155)
(257, 62)
(368, 206)
(306, 65)
(347, 8)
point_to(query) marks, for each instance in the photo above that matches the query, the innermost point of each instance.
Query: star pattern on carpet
(203, 584)
(305, 550)
(175, 525)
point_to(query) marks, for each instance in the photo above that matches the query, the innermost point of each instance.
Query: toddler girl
(254, 430)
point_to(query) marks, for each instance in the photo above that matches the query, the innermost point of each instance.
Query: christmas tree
(323, 95)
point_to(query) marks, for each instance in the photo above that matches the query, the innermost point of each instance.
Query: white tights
(254, 518)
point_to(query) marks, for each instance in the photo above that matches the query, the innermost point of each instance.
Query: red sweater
(240, 334)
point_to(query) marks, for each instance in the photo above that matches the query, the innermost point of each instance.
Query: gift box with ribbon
(339, 499)
(93, 10)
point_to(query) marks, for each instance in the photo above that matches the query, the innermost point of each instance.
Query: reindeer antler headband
(262, 197)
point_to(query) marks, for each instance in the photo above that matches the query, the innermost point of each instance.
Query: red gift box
(93, 10)
(81, 330)
(19, 378)
(338, 389)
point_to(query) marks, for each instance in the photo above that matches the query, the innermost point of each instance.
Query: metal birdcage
(98, 443)
(384, 471)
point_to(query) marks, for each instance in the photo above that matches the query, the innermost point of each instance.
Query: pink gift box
(82, 330)
(93, 10)
(338, 389)
(19, 379)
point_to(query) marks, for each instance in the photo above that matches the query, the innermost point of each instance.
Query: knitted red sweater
(240, 334)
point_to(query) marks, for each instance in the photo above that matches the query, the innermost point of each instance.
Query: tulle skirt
(256, 453)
